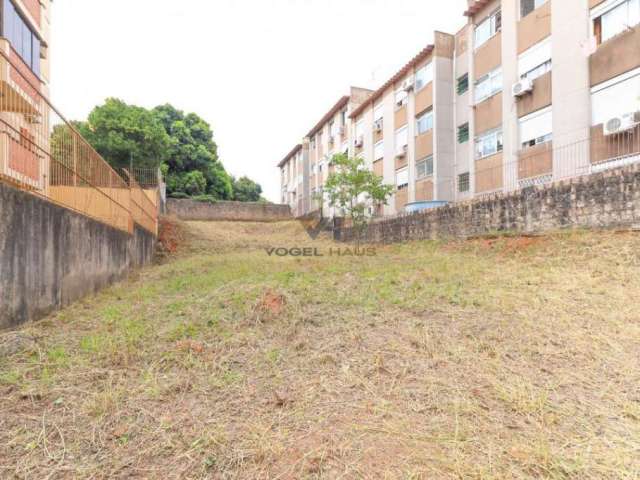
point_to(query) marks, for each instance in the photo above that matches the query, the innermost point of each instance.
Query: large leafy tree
(192, 149)
(180, 144)
(246, 190)
(125, 134)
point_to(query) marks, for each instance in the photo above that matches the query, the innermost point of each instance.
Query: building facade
(24, 79)
(527, 92)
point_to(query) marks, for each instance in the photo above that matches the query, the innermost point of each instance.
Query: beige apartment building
(310, 161)
(404, 131)
(527, 92)
(554, 90)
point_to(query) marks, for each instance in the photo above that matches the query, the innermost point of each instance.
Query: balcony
(535, 164)
(616, 56)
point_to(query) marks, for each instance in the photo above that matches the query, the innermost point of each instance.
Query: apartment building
(545, 90)
(525, 93)
(294, 188)
(24, 81)
(310, 161)
(404, 130)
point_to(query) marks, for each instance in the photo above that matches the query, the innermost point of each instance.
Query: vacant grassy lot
(511, 358)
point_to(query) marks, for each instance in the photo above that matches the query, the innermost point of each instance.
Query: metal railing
(43, 153)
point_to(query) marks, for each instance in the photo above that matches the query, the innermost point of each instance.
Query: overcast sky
(261, 72)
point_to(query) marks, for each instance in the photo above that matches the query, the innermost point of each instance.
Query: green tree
(192, 148)
(353, 188)
(246, 190)
(124, 133)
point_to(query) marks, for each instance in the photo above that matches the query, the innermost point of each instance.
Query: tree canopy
(180, 144)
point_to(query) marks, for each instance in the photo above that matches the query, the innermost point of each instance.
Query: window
(424, 168)
(463, 84)
(401, 98)
(616, 97)
(488, 144)
(378, 112)
(313, 143)
(463, 133)
(314, 169)
(536, 61)
(343, 118)
(378, 150)
(489, 85)
(333, 129)
(360, 129)
(615, 17)
(424, 76)
(402, 138)
(402, 178)
(528, 6)
(425, 122)
(464, 183)
(488, 28)
(21, 37)
(536, 128)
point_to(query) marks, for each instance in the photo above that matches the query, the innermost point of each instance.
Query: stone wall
(186, 209)
(51, 256)
(604, 200)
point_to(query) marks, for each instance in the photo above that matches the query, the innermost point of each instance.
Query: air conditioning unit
(522, 87)
(408, 84)
(377, 125)
(358, 142)
(621, 124)
(401, 151)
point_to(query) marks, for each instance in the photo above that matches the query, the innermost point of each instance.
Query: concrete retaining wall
(186, 209)
(604, 200)
(51, 256)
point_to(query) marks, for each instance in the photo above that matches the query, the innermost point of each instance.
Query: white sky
(261, 72)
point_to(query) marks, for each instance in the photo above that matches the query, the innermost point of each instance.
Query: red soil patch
(170, 235)
(270, 305)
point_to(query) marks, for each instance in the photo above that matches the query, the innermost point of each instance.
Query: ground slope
(486, 359)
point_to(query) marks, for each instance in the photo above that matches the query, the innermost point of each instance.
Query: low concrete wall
(186, 209)
(51, 256)
(604, 200)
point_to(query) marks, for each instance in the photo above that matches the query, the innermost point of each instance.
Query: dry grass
(510, 358)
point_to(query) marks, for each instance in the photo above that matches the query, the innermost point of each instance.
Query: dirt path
(494, 359)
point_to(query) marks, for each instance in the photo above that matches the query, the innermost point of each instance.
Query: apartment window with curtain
(378, 115)
(463, 133)
(614, 17)
(536, 128)
(488, 144)
(402, 139)
(424, 122)
(536, 61)
(424, 76)
(378, 150)
(402, 178)
(462, 84)
(401, 98)
(23, 40)
(489, 85)
(360, 129)
(528, 6)
(486, 29)
(615, 98)
(464, 183)
(424, 168)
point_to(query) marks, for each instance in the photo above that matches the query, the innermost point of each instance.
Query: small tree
(352, 188)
